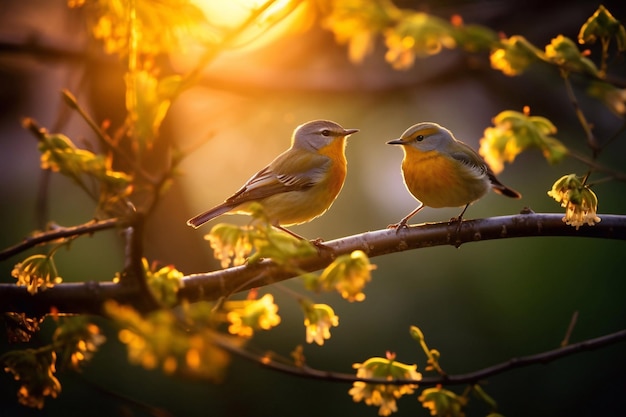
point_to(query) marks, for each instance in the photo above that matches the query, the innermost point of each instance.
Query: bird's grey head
(425, 136)
(316, 134)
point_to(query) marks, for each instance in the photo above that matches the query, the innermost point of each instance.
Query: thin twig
(620, 176)
(591, 139)
(104, 138)
(570, 329)
(458, 379)
(540, 358)
(59, 233)
(128, 400)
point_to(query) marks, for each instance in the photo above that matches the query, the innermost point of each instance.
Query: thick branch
(71, 298)
(88, 297)
(213, 285)
(134, 275)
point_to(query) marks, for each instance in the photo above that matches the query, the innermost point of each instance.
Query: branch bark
(212, 285)
(88, 297)
(58, 233)
(457, 379)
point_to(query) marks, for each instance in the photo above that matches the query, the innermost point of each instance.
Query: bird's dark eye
(420, 138)
(325, 132)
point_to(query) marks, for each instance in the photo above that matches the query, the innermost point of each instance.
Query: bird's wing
(478, 165)
(289, 172)
(470, 159)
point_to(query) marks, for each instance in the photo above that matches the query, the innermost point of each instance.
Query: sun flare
(275, 19)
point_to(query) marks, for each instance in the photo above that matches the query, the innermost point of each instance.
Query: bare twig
(458, 379)
(593, 165)
(59, 233)
(570, 329)
(591, 139)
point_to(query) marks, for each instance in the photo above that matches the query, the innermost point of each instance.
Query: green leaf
(564, 52)
(514, 132)
(602, 25)
(513, 55)
(474, 38)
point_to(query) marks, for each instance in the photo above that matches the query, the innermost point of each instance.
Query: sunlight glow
(280, 18)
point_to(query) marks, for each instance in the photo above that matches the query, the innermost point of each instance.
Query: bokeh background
(479, 305)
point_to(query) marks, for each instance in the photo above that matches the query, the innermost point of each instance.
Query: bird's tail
(204, 217)
(502, 189)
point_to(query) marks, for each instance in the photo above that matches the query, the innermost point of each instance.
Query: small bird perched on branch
(299, 185)
(441, 171)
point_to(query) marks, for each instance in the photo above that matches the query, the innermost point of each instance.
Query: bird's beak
(348, 132)
(396, 142)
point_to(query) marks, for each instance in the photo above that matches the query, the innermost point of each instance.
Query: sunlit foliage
(514, 132)
(37, 272)
(195, 340)
(581, 204)
(348, 275)
(383, 396)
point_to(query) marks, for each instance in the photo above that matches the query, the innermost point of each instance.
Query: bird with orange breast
(441, 171)
(298, 185)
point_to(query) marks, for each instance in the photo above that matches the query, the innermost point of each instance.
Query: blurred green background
(479, 305)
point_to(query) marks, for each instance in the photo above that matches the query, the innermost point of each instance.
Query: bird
(299, 185)
(441, 171)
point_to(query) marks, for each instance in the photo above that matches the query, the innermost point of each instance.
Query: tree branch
(212, 285)
(459, 379)
(58, 232)
(134, 275)
(87, 297)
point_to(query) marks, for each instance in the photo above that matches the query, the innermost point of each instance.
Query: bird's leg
(297, 236)
(402, 223)
(458, 219)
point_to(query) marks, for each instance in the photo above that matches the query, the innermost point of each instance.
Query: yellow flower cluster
(164, 282)
(383, 396)
(80, 339)
(318, 319)
(249, 315)
(158, 341)
(581, 204)
(230, 244)
(240, 244)
(442, 402)
(348, 275)
(36, 272)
